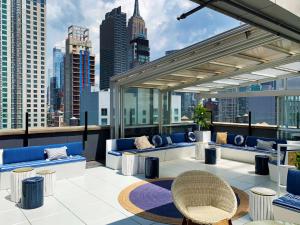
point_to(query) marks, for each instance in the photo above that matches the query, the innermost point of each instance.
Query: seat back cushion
(23, 154)
(33, 153)
(125, 144)
(230, 138)
(293, 182)
(178, 137)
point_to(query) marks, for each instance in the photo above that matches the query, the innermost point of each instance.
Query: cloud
(164, 31)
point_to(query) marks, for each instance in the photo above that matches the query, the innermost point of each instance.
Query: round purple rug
(152, 200)
(156, 198)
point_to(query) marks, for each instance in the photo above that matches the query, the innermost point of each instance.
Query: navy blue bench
(116, 147)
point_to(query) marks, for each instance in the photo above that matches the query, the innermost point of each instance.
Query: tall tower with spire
(138, 45)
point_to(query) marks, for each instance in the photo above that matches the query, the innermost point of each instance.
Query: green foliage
(298, 160)
(201, 116)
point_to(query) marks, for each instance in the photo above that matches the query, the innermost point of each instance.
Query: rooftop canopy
(240, 57)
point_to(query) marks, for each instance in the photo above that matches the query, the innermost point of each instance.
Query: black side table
(261, 164)
(211, 156)
(152, 167)
(32, 192)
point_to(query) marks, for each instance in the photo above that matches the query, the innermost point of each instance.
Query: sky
(165, 32)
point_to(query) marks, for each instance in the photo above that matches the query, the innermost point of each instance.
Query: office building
(97, 103)
(23, 79)
(138, 45)
(79, 70)
(113, 46)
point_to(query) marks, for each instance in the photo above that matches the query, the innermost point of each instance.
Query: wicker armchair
(203, 198)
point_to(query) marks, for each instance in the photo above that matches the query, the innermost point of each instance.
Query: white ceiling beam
(253, 94)
(246, 70)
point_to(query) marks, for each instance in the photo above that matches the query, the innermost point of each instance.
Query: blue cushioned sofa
(180, 148)
(34, 156)
(287, 207)
(246, 151)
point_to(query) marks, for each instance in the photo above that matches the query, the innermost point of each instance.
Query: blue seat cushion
(288, 201)
(125, 144)
(167, 147)
(178, 137)
(293, 182)
(41, 163)
(115, 153)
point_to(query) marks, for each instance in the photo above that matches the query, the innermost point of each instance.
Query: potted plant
(201, 118)
(297, 164)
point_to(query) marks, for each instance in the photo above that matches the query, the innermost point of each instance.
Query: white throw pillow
(143, 143)
(265, 145)
(56, 153)
(1, 156)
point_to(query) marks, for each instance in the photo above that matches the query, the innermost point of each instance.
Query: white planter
(203, 136)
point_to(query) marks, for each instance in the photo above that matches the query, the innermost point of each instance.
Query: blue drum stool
(211, 156)
(151, 168)
(32, 192)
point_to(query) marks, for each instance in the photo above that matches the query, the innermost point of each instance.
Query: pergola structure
(240, 57)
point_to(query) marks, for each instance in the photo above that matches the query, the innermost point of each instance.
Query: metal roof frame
(222, 59)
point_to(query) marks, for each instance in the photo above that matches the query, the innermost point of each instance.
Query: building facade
(79, 70)
(23, 78)
(138, 45)
(113, 46)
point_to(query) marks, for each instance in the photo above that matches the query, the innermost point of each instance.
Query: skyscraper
(79, 70)
(58, 67)
(113, 46)
(57, 82)
(23, 80)
(5, 74)
(138, 45)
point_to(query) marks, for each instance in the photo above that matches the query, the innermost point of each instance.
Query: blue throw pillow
(157, 140)
(239, 140)
(191, 137)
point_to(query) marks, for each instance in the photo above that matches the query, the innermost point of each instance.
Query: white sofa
(171, 152)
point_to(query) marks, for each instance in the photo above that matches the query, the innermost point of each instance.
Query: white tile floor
(92, 199)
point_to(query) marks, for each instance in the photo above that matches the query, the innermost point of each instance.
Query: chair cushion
(207, 214)
(125, 144)
(157, 140)
(41, 163)
(288, 201)
(293, 182)
(142, 143)
(221, 138)
(178, 137)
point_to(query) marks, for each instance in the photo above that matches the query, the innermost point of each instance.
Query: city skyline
(160, 23)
